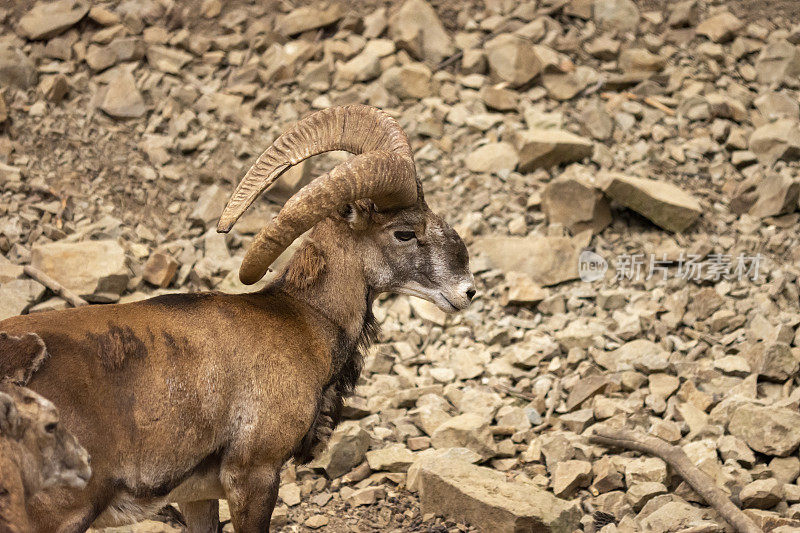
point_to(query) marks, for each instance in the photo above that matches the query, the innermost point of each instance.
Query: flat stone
(777, 61)
(166, 59)
(469, 431)
(345, 450)
(16, 69)
(576, 205)
(541, 148)
(86, 268)
(641, 354)
(618, 15)
(484, 498)
(48, 19)
(721, 27)
(768, 430)
(408, 81)
(308, 18)
(160, 269)
(512, 59)
(18, 295)
(122, 98)
(762, 493)
(209, 205)
(416, 28)
(492, 158)
(664, 204)
(393, 458)
(779, 140)
(547, 260)
(569, 476)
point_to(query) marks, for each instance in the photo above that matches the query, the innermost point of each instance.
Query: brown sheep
(35, 453)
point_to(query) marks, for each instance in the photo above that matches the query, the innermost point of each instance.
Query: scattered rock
(408, 81)
(769, 430)
(308, 18)
(416, 28)
(122, 98)
(469, 431)
(48, 19)
(17, 295)
(494, 158)
(547, 148)
(394, 458)
(484, 498)
(617, 15)
(547, 260)
(576, 205)
(512, 59)
(777, 61)
(160, 269)
(94, 270)
(762, 494)
(721, 27)
(16, 69)
(662, 203)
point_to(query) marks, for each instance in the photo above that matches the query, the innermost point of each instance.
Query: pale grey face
(416, 252)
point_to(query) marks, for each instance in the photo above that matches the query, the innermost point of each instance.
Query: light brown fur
(191, 398)
(36, 452)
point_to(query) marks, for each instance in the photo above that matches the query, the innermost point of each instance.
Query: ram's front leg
(251, 491)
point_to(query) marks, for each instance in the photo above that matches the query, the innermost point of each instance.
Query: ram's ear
(9, 416)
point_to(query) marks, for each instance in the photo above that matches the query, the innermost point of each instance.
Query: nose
(470, 293)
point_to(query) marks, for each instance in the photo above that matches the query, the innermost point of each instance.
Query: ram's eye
(51, 427)
(404, 235)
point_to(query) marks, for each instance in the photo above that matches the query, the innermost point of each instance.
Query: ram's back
(174, 375)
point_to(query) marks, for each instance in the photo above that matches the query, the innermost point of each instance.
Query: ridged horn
(382, 170)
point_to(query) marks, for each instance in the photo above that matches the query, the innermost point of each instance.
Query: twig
(649, 100)
(548, 417)
(508, 390)
(53, 285)
(678, 460)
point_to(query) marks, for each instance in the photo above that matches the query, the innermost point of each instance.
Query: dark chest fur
(348, 359)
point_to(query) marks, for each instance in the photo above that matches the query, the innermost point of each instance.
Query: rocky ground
(661, 136)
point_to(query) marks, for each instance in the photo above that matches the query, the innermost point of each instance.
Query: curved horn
(383, 172)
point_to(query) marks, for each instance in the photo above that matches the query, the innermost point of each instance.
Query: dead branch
(53, 285)
(678, 460)
(649, 100)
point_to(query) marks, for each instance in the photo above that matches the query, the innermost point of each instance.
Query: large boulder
(483, 497)
(664, 204)
(94, 270)
(768, 430)
(48, 19)
(548, 260)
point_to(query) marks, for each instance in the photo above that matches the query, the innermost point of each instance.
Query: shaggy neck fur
(328, 275)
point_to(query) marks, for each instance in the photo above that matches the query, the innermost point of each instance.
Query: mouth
(453, 308)
(437, 298)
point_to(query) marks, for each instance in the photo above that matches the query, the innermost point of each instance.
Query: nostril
(470, 293)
